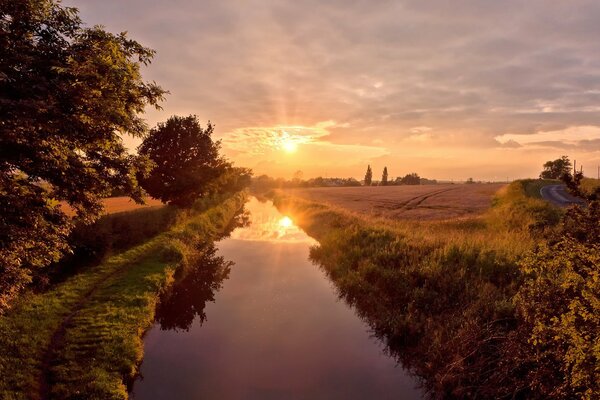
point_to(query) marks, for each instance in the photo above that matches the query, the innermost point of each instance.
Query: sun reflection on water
(267, 224)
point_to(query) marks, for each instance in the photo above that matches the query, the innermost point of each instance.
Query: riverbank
(82, 338)
(440, 296)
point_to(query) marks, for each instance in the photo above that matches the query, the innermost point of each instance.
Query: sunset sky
(448, 89)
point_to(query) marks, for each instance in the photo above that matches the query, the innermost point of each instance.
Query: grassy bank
(83, 338)
(439, 295)
(533, 186)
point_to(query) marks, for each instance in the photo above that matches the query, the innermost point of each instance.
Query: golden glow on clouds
(282, 150)
(569, 136)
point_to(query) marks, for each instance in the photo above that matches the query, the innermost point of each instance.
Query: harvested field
(428, 202)
(119, 204)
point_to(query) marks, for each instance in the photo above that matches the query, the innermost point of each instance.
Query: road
(558, 195)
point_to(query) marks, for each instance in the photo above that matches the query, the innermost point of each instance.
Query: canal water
(258, 320)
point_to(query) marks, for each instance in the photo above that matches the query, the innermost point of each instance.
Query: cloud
(477, 73)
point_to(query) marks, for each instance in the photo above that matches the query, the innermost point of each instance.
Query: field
(428, 202)
(119, 204)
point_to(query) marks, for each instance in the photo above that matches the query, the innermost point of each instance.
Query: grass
(588, 185)
(83, 338)
(533, 186)
(437, 294)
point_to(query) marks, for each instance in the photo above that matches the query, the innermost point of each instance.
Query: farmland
(119, 204)
(428, 202)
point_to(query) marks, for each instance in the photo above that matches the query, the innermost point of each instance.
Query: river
(258, 320)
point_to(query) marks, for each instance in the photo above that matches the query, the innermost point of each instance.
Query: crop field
(119, 204)
(427, 202)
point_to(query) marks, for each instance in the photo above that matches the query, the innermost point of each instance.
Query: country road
(558, 195)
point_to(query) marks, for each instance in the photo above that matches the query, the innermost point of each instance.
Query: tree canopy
(557, 168)
(67, 94)
(187, 161)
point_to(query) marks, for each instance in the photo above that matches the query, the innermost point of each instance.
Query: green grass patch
(532, 187)
(93, 322)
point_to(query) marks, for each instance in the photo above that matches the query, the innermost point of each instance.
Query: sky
(448, 89)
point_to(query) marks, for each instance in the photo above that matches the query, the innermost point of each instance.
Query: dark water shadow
(186, 300)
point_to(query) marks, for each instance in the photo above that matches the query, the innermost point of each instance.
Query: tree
(384, 177)
(409, 179)
(187, 161)
(368, 176)
(557, 168)
(470, 181)
(67, 94)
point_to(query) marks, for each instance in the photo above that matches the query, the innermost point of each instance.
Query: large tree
(188, 163)
(557, 168)
(67, 95)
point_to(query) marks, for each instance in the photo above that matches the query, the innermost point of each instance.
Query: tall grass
(438, 294)
(83, 338)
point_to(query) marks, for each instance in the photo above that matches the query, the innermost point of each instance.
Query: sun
(286, 222)
(289, 146)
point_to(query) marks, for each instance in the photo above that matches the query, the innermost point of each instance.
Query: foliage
(384, 177)
(83, 337)
(368, 176)
(67, 94)
(264, 183)
(560, 301)
(557, 168)
(409, 179)
(187, 161)
(533, 186)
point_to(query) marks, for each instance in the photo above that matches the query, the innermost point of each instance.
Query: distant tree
(187, 161)
(384, 177)
(409, 179)
(470, 180)
(67, 94)
(557, 168)
(368, 176)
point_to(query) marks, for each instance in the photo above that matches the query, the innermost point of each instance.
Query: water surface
(258, 320)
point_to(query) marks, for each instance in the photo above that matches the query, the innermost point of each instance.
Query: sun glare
(289, 146)
(286, 222)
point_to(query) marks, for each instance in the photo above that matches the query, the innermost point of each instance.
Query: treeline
(69, 94)
(265, 182)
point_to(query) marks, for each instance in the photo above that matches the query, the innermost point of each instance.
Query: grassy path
(83, 338)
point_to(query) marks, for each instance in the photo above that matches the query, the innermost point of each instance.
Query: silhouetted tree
(368, 176)
(409, 179)
(470, 180)
(188, 163)
(557, 168)
(384, 177)
(67, 93)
